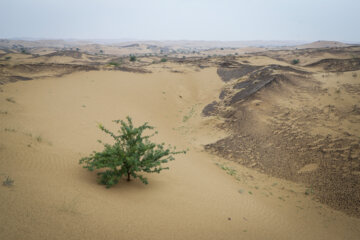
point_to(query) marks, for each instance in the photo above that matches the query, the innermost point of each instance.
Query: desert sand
(49, 122)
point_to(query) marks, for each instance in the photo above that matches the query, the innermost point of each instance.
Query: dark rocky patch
(210, 109)
(68, 53)
(227, 73)
(134, 70)
(338, 65)
(284, 144)
(19, 78)
(252, 87)
(131, 45)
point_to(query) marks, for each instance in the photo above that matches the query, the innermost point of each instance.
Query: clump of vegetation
(163, 60)
(132, 58)
(9, 130)
(295, 61)
(23, 50)
(7, 57)
(229, 170)
(9, 99)
(39, 139)
(309, 191)
(189, 115)
(130, 154)
(354, 75)
(8, 182)
(116, 64)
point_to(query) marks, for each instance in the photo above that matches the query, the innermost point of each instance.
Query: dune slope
(48, 124)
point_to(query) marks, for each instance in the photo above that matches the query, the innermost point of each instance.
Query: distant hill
(323, 44)
(60, 43)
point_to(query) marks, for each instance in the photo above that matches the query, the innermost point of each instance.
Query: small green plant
(189, 115)
(295, 61)
(309, 191)
(229, 170)
(39, 139)
(163, 60)
(116, 64)
(7, 57)
(132, 58)
(8, 182)
(130, 154)
(9, 99)
(9, 130)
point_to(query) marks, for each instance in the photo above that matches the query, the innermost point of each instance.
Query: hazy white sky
(182, 19)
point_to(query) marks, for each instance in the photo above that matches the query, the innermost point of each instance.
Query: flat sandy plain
(51, 105)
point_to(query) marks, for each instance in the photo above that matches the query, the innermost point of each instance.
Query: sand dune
(52, 123)
(49, 123)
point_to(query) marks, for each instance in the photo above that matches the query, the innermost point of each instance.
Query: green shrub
(163, 60)
(132, 58)
(130, 154)
(114, 64)
(295, 61)
(10, 99)
(8, 182)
